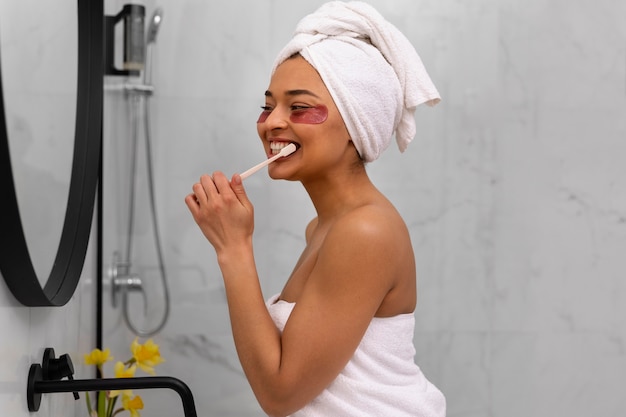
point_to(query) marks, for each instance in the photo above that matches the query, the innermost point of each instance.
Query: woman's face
(299, 109)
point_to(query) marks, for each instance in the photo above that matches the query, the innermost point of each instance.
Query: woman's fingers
(215, 189)
(222, 210)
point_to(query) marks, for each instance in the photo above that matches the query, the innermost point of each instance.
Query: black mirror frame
(15, 262)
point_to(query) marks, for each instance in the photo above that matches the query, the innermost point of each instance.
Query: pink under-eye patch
(263, 116)
(309, 115)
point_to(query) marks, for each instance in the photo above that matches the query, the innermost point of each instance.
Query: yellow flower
(146, 356)
(132, 405)
(98, 357)
(122, 372)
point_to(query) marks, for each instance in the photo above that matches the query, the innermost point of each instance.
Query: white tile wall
(513, 191)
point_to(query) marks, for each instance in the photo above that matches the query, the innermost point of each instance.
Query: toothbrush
(287, 150)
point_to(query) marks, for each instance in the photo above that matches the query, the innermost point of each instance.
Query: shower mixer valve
(122, 281)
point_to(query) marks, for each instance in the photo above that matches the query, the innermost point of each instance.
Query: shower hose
(137, 101)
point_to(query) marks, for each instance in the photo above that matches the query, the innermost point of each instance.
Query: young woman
(338, 339)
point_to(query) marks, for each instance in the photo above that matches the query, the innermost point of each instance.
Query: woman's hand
(222, 210)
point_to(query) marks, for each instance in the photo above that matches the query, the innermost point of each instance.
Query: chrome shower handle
(125, 284)
(122, 282)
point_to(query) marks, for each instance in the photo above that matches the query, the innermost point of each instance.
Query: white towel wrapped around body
(381, 378)
(371, 70)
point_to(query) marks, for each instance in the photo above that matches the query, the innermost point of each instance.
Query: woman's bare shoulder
(370, 248)
(379, 221)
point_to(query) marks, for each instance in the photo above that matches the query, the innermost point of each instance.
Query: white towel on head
(371, 70)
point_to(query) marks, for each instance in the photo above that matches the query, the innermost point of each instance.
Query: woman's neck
(335, 194)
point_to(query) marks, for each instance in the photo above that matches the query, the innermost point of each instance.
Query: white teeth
(276, 147)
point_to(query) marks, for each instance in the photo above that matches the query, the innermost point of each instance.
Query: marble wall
(513, 191)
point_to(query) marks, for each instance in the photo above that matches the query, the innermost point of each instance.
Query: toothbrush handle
(257, 167)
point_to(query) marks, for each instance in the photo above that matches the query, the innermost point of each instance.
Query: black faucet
(46, 378)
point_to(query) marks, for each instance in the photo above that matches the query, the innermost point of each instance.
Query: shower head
(153, 29)
(155, 22)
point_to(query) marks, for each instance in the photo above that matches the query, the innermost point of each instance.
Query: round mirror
(51, 72)
(39, 48)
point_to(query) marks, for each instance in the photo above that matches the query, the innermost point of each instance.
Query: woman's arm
(352, 274)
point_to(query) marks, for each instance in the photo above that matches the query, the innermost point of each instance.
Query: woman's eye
(300, 107)
(264, 114)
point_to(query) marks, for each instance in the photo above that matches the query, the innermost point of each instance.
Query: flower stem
(88, 400)
(119, 410)
(112, 402)
(101, 403)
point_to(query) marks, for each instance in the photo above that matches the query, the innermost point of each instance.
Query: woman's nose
(276, 119)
